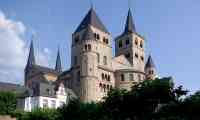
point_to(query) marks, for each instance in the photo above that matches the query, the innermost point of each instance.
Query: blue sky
(171, 29)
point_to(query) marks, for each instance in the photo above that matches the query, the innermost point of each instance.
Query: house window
(122, 77)
(75, 60)
(120, 44)
(127, 42)
(45, 103)
(104, 60)
(131, 77)
(53, 103)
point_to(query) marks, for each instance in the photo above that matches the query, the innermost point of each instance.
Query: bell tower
(131, 44)
(91, 48)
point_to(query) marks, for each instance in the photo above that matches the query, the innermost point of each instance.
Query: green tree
(8, 102)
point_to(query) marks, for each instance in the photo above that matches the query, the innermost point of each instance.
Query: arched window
(127, 42)
(89, 47)
(98, 57)
(76, 39)
(108, 77)
(131, 77)
(86, 47)
(107, 41)
(104, 60)
(120, 44)
(136, 41)
(108, 87)
(122, 77)
(142, 58)
(141, 44)
(98, 36)
(102, 75)
(104, 88)
(136, 55)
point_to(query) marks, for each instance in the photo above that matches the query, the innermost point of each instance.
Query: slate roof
(45, 69)
(150, 63)
(130, 26)
(91, 19)
(58, 67)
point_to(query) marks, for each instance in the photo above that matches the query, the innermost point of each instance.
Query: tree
(8, 102)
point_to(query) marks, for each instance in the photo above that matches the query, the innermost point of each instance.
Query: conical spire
(130, 26)
(31, 57)
(150, 63)
(58, 67)
(91, 19)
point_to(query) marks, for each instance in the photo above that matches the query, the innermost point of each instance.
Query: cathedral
(94, 69)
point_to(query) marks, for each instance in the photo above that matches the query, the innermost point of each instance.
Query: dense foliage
(149, 100)
(7, 102)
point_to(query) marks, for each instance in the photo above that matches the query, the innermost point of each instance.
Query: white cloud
(13, 51)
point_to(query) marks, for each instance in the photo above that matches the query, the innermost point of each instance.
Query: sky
(171, 29)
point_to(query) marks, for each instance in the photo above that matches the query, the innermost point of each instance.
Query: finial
(91, 4)
(129, 4)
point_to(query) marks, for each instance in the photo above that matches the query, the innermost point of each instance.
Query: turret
(150, 69)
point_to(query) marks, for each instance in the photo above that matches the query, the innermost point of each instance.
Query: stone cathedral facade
(94, 69)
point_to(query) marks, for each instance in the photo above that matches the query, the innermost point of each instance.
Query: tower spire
(31, 57)
(91, 19)
(150, 63)
(130, 26)
(58, 66)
